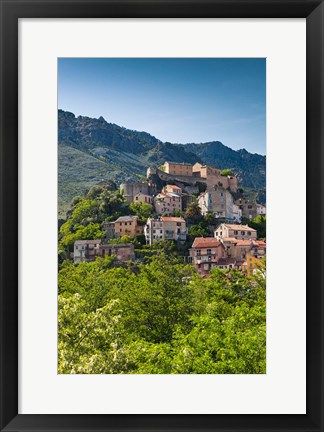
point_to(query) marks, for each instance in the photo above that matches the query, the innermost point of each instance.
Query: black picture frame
(11, 11)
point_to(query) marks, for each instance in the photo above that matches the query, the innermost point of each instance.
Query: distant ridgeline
(92, 151)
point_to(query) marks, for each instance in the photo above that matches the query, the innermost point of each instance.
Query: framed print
(161, 234)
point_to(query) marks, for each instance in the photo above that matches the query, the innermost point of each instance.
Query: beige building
(165, 228)
(141, 197)
(178, 169)
(238, 232)
(128, 225)
(213, 177)
(167, 203)
(205, 253)
(172, 188)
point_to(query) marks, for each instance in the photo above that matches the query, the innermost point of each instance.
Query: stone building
(85, 250)
(165, 228)
(167, 203)
(123, 251)
(144, 198)
(130, 190)
(218, 201)
(89, 250)
(248, 208)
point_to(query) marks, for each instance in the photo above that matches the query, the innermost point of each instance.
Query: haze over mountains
(92, 150)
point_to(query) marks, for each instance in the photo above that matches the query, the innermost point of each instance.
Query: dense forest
(160, 318)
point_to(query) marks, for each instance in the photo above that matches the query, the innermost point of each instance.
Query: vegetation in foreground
(160, 317)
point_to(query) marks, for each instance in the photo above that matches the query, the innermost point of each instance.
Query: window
(222, 194)
(208, 251)
(249, 232)
(242, 232)
(76, 247)
(161, 231)
(235, 232)
(249, 206)
(136, 198)
(198, 252)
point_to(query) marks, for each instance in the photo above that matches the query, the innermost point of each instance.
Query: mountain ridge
(126, 154)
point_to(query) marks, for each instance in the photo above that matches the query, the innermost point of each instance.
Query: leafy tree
(198, 231)
(142, 210)
(160, 317)
(193, 211)
(226, 173)
(259, 223)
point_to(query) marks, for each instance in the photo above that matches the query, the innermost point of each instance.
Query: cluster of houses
(233, 245)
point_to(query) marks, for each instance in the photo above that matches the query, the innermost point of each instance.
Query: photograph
(161, 215)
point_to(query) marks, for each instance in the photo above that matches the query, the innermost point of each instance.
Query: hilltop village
(178, 194)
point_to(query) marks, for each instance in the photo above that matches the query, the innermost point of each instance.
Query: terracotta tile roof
(172, 219)
(229, 240)
(244, 242)
(204, 242)
(173, 186)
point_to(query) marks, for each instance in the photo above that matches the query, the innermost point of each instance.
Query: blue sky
(176, 100)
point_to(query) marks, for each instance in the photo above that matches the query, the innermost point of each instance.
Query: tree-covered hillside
(93, 150)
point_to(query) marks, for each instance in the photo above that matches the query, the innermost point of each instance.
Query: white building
(165, 228)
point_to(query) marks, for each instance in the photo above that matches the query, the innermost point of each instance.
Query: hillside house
(128, 225)
(167, 203)
(123, 251)
(249, 208)
(172, 188)
(238, 232)
(205, 253)
(165, 228)
(85, 250)
(218, 201)
(144, 198)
